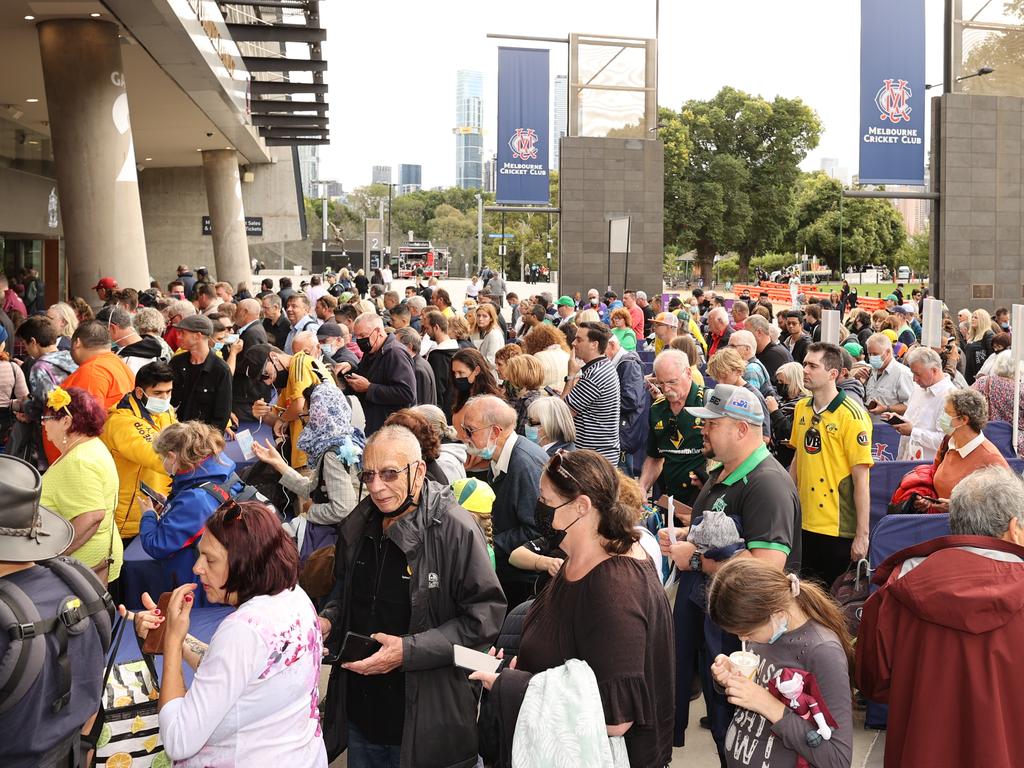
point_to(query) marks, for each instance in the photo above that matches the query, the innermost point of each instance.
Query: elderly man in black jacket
(413, 573)
(385, 380)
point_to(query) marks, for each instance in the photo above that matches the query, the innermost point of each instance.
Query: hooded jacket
(144, 352)
(440, 360)
(939, 643)
(632, 401)
(455, 598)
(129, 434)
(173, 537)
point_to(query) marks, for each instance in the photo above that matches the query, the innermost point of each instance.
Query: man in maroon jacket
(940, 641)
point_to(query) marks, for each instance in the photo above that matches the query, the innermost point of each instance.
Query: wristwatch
(695, 562)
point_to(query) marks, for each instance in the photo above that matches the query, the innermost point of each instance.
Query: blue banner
(523, 126)
(892, 95)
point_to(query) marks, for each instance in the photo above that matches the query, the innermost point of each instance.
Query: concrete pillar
(93, 152)
(227, 217)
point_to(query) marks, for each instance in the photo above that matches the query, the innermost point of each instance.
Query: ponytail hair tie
(794, 583)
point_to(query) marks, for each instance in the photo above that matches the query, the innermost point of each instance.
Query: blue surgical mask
(327, 349)
(532, 433)
(218, 346)
(231, 339)
(157, 405)
(486, 453)
(780, 630)
(875, 361)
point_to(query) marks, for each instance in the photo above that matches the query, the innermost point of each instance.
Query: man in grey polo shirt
(890, 384)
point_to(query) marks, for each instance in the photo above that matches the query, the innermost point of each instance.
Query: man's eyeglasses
(470, 430)
(557, 464)
(386, 475)
(533, 422)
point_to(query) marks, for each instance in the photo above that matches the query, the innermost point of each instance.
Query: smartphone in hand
(357, 647)
(154, 642)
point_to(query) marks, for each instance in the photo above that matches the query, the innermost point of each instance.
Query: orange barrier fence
(780, 292)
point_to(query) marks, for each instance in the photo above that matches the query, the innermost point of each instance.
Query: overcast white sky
(392, 66)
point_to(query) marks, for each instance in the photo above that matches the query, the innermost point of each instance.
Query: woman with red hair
(255, 697)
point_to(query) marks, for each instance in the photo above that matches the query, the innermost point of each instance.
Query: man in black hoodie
(134, 349)
(435, 325)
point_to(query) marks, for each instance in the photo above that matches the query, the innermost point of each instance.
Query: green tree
(914, 253)
(731, 165)
(872, 228)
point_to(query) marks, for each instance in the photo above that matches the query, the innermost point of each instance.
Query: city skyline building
(309, 170)
(381, 174)
(560, 120)
(410, 178)
(490, 174)
(469, 121)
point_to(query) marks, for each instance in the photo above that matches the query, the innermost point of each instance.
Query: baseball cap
(108, 283)
(892, 297)
(854, 348)
(890, 333)
(197, 324)
(667, 318)
(684, 317)
(900, 310)
(474, 495)
(566, 301)
(727, 401)
(328, 331)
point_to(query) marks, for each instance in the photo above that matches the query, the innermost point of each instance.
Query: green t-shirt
(677, 439)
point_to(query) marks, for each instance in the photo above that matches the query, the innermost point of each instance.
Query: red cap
(106, 282)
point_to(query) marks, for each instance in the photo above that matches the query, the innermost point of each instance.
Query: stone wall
(601, 179)
(174, 203)
(978, 237)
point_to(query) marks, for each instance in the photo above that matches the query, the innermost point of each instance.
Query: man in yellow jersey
(832, 438)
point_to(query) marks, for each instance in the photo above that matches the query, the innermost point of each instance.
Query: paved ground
(868, 746)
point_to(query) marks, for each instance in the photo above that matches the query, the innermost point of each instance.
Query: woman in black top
(606, 606)
(979, 344)
(362, 284)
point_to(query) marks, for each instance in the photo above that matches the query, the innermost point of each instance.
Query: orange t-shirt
(106, 376)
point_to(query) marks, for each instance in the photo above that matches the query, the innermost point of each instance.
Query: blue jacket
(633, 403)
(173, 539)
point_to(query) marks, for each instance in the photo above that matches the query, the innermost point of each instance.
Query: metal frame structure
(649, 88)
(263, 29)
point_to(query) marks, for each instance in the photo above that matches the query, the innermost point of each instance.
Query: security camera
(209, 134)
(140, 167)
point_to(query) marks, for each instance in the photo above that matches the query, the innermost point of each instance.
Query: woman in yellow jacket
(132, 426)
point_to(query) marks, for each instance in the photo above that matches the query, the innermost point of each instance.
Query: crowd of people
(625, 500)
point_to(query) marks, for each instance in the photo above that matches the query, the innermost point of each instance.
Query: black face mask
(281, 380)
(463, 385)
(545, 518)
(365, 345)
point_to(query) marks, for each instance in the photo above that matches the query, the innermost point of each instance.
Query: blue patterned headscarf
(330, 426)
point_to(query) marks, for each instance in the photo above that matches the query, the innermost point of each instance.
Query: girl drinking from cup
(796, 707)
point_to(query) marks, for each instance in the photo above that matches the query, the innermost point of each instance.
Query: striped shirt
(595, 399)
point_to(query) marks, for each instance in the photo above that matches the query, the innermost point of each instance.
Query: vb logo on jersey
(862, 439)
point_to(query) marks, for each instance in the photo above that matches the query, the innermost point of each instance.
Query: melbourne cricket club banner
(523, 126)
(892, 95)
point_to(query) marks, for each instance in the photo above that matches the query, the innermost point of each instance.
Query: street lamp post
(479, 233)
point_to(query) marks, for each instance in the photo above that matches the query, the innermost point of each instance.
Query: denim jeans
(366, 754)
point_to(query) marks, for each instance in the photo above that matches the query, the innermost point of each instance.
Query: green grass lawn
(873, 289)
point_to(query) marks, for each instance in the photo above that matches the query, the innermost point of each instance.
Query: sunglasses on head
(232, 511)
(558, 465)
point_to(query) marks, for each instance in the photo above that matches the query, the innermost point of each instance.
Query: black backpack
(27, 630)
(223, 493)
